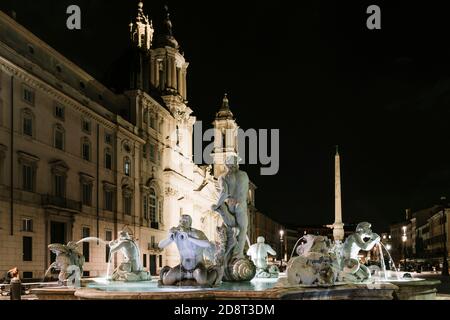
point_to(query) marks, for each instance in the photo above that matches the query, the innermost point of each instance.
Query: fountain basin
(257, 289)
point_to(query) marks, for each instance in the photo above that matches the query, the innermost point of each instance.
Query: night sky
(313, 70)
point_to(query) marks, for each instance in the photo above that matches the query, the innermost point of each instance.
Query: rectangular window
(108, 237)
(145, 116)
(28, 126)
(108, 138)
(144, 260)
(108, 160)
(27, 178)
(59, 112)
(152, 242)
(60, 185)
(28, 275)
(86, 151)
(160, 261)
(28, 95)
(108, 200)
(87, 194)
(152, 152)
(27, 225)
(86, 251)
(86, 126)
(59, 140)
(152, 122)
(127, 205)
(27, 252)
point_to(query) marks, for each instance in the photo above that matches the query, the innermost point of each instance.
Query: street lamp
(404, 238)
(281, 248)
(444, 238)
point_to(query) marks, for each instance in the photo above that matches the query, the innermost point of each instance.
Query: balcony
(153, 246)
(49, 201)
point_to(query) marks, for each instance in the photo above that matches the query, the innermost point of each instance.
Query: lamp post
(444, 238)
(281, 249)
(404, 238)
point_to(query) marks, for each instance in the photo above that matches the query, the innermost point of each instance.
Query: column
(168, 72)
(174, 74)
(184, 84)
(153, 67)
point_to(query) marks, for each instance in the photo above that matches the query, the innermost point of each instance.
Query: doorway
(153, 265)
(57, 235)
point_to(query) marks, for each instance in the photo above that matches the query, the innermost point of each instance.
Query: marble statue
(232, 207)
(315, 265)
(258, 253)
(131, 268)
(192, 270)
(67, 255)
(362, 239)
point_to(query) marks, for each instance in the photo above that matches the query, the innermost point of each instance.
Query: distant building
(422, 236)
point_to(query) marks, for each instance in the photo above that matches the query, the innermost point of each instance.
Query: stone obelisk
(338, 226)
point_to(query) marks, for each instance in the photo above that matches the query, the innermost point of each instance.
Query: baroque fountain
(321, 268)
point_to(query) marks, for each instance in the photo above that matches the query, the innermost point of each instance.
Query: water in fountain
(108, 267)
(46, 272)
(383, 264)
(293, 249)
(89, 239)
(390, 257)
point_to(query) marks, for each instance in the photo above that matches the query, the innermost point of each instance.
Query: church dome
(165, 36)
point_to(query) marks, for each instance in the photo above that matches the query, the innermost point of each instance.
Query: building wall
(171, 173)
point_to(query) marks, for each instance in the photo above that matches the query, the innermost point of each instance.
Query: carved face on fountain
(364, 230)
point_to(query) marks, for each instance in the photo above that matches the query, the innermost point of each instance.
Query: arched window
(59, 137)
(153, 200)
(86, 149)
(127, 166)
(28, 128)
(160, 212)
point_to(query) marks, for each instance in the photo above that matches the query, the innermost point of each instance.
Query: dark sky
(313, 70)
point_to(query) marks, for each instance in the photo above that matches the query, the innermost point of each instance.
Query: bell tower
(141, 31)
(225, 137)
(169, 67)
(141, 37)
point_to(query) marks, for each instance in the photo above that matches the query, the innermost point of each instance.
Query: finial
(140, 4)
(225, 104)
(337, 150)
(168, 23)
